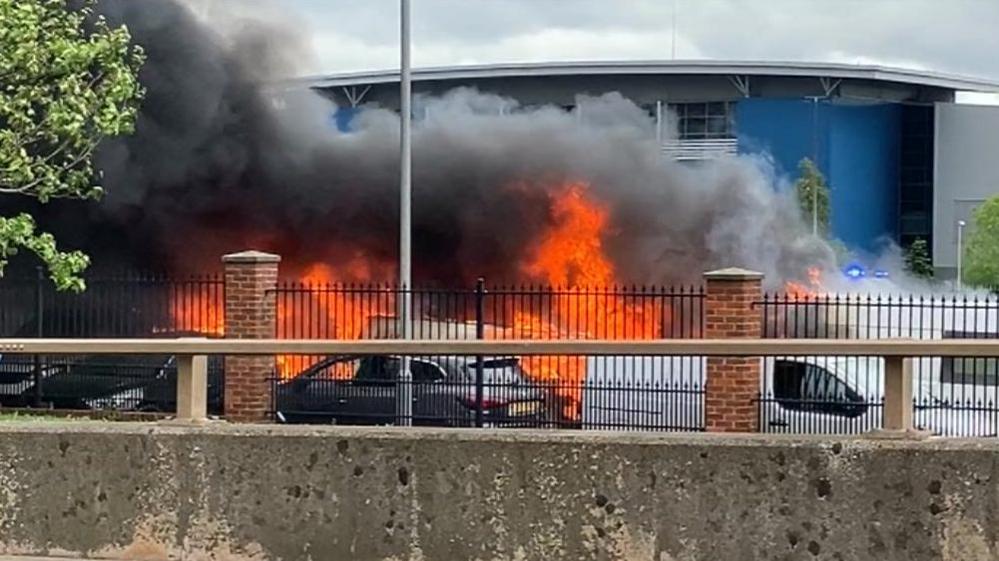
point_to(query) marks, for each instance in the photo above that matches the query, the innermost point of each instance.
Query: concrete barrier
(140, 491)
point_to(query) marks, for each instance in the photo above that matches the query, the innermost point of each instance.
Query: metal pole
(40, 332)
(480, 333)
(659, 126)
(673, 41)
(404, 400)
(960, 251)
(815, 161)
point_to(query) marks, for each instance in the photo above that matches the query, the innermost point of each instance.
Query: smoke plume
(224, 158)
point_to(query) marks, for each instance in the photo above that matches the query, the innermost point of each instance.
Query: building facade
(902, 160)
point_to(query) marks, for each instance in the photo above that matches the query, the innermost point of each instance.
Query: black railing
(347, 311)
(113, 306)
(954, 396)
(128, 305)
(339, 311)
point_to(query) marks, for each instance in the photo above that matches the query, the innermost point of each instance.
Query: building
(902, 159)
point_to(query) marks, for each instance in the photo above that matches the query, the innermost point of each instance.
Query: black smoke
(223, 159)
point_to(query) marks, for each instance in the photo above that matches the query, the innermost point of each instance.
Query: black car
(108, 382)
(443, 393)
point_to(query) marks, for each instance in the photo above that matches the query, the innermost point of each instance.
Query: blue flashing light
(881, 274)
(854, 272)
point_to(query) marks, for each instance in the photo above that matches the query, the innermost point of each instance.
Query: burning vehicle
(363, 390)
(443, 393)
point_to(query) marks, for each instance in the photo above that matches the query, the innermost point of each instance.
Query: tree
(917, 259)
(67, 80)
(981, 250)
(813, 194)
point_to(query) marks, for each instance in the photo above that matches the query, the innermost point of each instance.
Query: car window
(382, 369)
(506, 371)
(424, 372)
(801, 386)
(378, 369)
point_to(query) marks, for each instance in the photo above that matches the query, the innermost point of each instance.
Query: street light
(815, 161)
(960, 250)
(404, 401)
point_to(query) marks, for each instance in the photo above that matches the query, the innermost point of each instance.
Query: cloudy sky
(952, 36)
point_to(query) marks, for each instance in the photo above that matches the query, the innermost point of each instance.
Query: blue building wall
(855, 146)
(864, 151)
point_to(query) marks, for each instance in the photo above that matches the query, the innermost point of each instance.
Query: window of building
(700, 121)
(800, 386)
(916, 175)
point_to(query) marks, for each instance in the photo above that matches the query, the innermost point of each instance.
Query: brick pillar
(732, 384)
(250, 280)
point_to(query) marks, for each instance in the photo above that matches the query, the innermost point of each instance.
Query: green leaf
(813, 196)
(981, 251)
(67, 81)
(917, 259)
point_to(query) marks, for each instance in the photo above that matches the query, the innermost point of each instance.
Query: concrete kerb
(217, 427)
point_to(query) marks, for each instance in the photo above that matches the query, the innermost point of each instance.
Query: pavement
(30, 558)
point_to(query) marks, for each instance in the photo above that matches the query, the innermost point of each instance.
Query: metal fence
(126, 305)
(954, 396)
(586, 392)
(583, 392)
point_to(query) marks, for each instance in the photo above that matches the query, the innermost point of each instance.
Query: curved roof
(673, 67)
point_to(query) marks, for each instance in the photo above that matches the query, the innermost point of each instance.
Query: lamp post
(673, 39)
(960, 251)
(815, 161)
(404, 401)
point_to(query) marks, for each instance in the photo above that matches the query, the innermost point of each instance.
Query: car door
(807, 397)
(370, 398)
(430, 401)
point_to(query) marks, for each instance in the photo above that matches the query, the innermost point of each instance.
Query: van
(838, 395)
(953, 396)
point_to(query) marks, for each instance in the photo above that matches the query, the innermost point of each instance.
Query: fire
(799, 291)
(571, 256)
(319, 307)
(329, 314)
(195, 312)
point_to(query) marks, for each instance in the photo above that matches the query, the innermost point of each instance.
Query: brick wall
(250, 280)
(732, 383)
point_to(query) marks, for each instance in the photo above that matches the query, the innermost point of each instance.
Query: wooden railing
(191, 355)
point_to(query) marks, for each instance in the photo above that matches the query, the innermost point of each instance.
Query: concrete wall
(966, 173)
(221, 492)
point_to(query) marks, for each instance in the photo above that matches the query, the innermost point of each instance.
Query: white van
(953, 396)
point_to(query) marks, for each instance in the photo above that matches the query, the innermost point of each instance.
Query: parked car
(443, 393)
(108, 382)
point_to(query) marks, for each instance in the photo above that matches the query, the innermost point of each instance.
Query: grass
(17, 417)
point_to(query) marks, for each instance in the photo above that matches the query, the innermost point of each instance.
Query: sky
(951, 36)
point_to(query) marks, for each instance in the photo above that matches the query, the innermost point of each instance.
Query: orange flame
(571, 256)
(196, 312)
(799, 291)
(329, 315)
